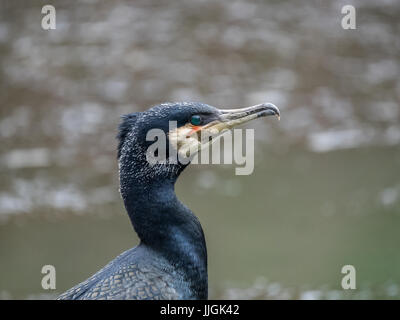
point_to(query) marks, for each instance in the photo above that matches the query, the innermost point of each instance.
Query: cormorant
(171, 260)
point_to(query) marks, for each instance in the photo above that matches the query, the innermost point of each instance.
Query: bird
(170, 261)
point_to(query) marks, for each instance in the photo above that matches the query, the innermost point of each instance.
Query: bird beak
(190, 139)
(230, 118)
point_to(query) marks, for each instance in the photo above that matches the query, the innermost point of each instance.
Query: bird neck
(163, 223)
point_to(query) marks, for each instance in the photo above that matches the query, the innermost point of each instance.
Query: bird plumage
(137, 273)
(171, 260)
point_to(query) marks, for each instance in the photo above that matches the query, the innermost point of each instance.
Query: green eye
(195, 120)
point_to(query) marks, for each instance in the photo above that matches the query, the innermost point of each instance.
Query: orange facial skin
(194, 129)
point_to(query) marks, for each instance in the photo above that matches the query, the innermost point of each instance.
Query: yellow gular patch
(184, 140)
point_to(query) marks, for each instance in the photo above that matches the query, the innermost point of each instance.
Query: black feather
(126, 125)
(171, 260)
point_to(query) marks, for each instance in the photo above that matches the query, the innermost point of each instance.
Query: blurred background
(325, 191)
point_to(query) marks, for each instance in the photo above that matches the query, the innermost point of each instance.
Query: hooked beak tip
(234, 117)
(269, 109)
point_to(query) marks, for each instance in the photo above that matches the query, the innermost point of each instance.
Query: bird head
(195, 126)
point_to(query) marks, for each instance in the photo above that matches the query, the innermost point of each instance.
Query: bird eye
(195, 120)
